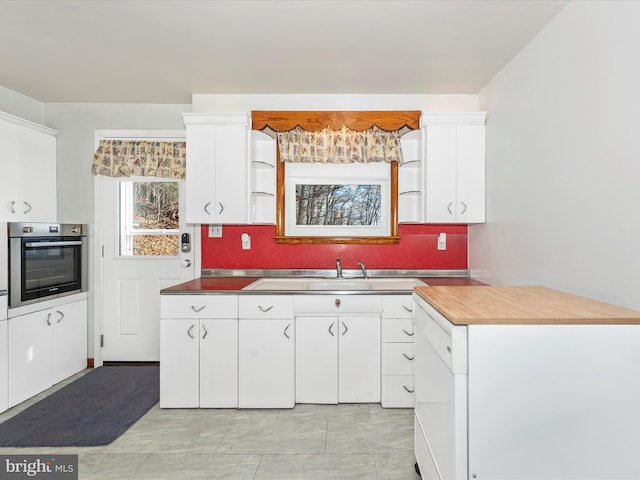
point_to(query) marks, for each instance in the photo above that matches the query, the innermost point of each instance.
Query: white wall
(21, 106)
(563, 159)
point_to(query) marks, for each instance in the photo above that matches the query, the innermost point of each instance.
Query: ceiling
(152, 51)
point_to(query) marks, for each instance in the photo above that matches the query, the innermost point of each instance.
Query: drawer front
(199, 306)
(338, 304)
(397, 330)
(266, 306)
(397, 391)
(397, 306)
(397, 359)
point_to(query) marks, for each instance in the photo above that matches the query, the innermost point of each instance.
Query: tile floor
(324, 442)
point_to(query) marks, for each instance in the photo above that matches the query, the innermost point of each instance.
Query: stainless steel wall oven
(46, 261)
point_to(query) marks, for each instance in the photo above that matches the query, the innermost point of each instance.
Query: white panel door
(30, 350)
(266, 363)
(136, 268)
(471, 174)
(317, 360)
(69, 339)
(231, 179)
(359, 360)
(219, 363)
(179, 358)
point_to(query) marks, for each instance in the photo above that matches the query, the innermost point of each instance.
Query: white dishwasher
(440, 394)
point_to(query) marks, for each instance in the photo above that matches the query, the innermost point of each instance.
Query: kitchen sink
(335, 284)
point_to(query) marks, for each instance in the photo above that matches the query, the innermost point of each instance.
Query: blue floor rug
(93, 410)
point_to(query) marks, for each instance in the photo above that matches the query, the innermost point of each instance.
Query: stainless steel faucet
(338, 268)
(364, 270)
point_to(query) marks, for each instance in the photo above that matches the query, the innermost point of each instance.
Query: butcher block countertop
(517, 305)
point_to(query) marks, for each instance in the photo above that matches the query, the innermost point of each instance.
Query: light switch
(442, 241)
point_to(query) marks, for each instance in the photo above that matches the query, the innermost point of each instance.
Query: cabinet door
(69, 339)
(200, 175)
(30, 352)
(179, 363)
(470, 188)
(4, 368)
(441, 174)
(231, 179)
(359, 360)
(317, 359)
(266, 357)
(218, 363)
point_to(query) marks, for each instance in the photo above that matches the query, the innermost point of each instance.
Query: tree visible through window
(149, 218)
(338, 204)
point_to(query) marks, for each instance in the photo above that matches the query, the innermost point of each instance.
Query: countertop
(515, 305)
(222, 285)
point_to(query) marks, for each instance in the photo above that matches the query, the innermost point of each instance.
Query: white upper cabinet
(28, 180)
(216, 179)
(454, 167)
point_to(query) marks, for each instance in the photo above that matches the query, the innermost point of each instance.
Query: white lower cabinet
(198, 355)
(266, 352)
(338, 356)
(397, 352)
(46, 347)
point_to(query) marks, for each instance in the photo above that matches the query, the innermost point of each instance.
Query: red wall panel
(417, 249)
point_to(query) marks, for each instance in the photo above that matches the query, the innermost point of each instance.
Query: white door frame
(96, 257)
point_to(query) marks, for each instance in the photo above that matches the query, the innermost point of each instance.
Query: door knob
(186, 263)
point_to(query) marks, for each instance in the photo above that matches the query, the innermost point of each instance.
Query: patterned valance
(126, 158)
(340, 146)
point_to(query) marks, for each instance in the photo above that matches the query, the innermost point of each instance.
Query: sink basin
(335, 284)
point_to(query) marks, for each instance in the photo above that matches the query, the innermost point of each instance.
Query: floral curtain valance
(125, 158)
(340, 146)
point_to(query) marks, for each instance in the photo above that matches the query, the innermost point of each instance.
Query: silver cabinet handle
(28, 209)
(206, 208)
(449, 348)
(285, 331)
(464, 207)
(408, 309)
(198, 309)
(49, 319)
(330, 328)
(191, 330)
(409, 334)
(61, 315)
(221, 208)
(265, 310)
(449, 207)
(345, 328)
(408, 357)
(407, 389)
(12, 207)
(206, 332)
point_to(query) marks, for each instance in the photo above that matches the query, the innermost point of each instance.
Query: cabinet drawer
(397, 358)
(199, 306)
(397, 330)
(397, 391)
(266, 306)
(338, 304)
(397, 306)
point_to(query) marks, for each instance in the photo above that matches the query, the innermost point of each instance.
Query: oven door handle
(52, 244)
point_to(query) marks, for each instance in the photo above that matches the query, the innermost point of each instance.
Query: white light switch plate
(442, 241)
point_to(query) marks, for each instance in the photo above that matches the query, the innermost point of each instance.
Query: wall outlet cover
(215, 231)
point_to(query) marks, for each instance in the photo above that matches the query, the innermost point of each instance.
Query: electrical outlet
(442, 241)
(215, 231)
(246, 241)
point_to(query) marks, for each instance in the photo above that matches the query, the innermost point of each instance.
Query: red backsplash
(417, 249)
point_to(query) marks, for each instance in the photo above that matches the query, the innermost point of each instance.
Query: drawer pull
(410, 334)
(449, 348)
(191, 330)
(331, 327)
(206, 332)
(407, 389)
(198, 309)
(61, 316)
(408, 309)
(408, 357)
(345, 328)
(49, 319)
(285, 331)
(265, 310)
